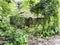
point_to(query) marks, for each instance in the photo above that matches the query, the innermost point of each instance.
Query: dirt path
(54, 40)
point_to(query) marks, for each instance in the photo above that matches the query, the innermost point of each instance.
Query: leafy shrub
(17, 21)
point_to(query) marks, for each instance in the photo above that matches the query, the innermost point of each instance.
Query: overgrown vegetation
(18, 29)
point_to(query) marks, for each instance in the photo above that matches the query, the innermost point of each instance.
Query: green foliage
(17, 21)
(6, 9)
(17, 36)
(6, 29)
(28, 3)
(48, 8)
(8, 44)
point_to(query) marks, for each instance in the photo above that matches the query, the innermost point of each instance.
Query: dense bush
(10, 15)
